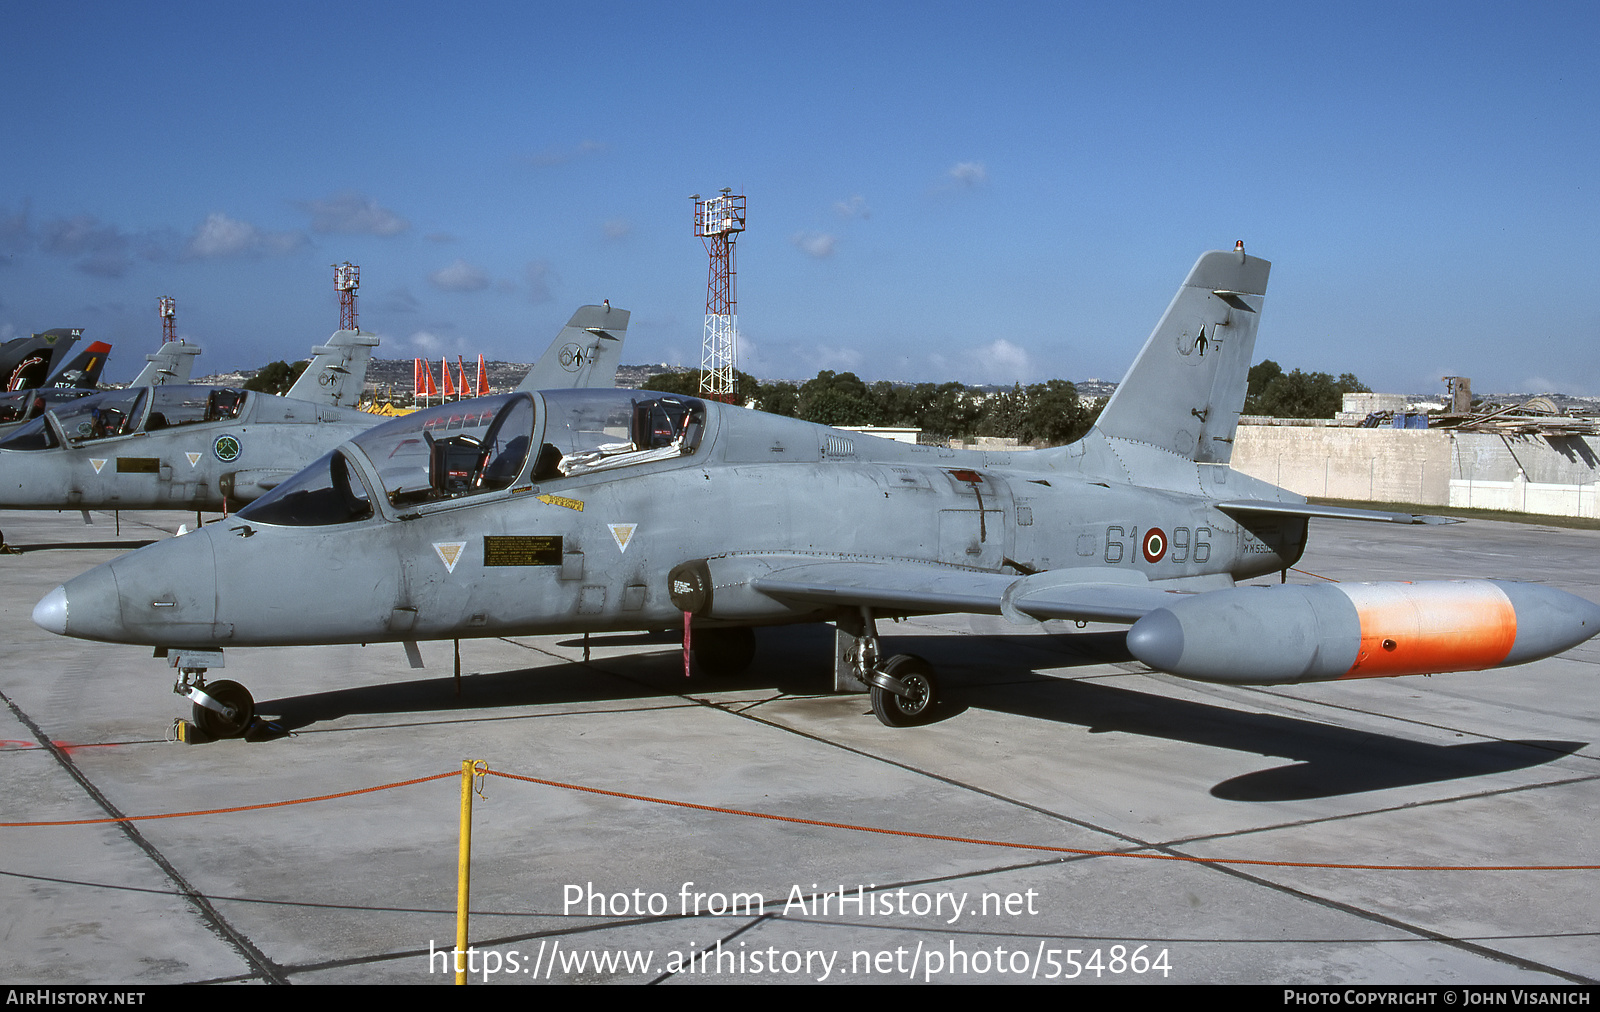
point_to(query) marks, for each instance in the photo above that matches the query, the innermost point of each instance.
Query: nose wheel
(235, 713)
(222, 709)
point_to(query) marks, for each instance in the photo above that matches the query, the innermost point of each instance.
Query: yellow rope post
(469, 770)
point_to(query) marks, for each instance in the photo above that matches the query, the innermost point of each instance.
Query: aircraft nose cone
(51, 612)
(86, 606)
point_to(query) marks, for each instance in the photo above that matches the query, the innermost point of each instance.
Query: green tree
(276, 377)
(1299, 394)
(837, 399)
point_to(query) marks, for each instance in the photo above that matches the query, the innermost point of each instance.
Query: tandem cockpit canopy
(113, 413)
(473, 448)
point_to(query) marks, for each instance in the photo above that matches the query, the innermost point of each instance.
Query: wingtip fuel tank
(1285, 634)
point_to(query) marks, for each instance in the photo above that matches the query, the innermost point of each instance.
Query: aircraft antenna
(169, 319)
(346, 279)
(718, 222)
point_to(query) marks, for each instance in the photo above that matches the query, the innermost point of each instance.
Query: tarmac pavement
(1223, 825)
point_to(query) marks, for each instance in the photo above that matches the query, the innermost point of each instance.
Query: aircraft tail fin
(174, 363)
(83, 372)
(30, 361)
(585, 353)
(1184, 392)
(338, 370)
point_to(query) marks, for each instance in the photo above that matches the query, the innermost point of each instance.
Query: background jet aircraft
(215, 448)
(81, 377)
(581, 510)
(27, 361)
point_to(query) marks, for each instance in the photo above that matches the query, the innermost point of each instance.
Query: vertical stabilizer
(83, 372)
(585, 354)
(174, 363)
(27, 362)
(338, 370)
(1184, 392)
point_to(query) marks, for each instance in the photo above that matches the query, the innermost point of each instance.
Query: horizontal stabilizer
(1304, 509)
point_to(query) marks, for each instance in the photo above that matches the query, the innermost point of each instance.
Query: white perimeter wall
(1436, 467)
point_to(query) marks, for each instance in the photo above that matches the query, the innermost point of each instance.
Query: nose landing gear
(222, 709)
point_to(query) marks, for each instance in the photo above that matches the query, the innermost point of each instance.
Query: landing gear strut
(903, 689)
(222, 709)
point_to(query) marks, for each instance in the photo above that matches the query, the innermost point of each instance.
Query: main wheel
(915, 674)
(228, 694)
(723, 653)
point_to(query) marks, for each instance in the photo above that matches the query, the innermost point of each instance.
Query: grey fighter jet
(27, 361)
(175, 446)
(583, 510)
(81, 377)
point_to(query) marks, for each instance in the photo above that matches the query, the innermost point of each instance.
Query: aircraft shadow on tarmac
(978, 672)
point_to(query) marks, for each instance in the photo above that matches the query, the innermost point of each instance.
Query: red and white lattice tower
(346, 279)
(718, 222)
(169, 319)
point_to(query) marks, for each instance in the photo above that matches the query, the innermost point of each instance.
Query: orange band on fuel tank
(1424, 628)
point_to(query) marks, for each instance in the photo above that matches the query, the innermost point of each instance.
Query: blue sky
(936, 190)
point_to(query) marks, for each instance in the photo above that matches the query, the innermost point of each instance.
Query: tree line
(1046, 413)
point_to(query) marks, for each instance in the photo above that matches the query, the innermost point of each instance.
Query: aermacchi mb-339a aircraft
(584, 510)
(217, 448)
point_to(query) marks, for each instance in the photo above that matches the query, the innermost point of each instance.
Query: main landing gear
(903, 689)
(222, 709)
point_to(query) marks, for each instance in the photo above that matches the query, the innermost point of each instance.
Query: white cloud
(1004, 362)
(855, 207)
(969, 174)
(815, 244)
(460, 277)
(350, 212)
(425, 343)
(824, 356)
(220, 236)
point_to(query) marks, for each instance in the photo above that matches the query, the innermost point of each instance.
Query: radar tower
(718, 222)
(346, 279)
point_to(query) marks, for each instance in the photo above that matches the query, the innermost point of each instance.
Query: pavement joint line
(209, 915)
(1427, 933)
(1371, 915)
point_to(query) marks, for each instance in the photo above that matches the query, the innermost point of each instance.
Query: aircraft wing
(1304, 509)
(1078, 595)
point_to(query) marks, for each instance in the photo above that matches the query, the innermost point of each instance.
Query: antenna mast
(346, 279)
(718, 222)
(169, 319)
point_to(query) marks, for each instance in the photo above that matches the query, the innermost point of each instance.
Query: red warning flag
(483, 377)
(444, 368)
(466, 388)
